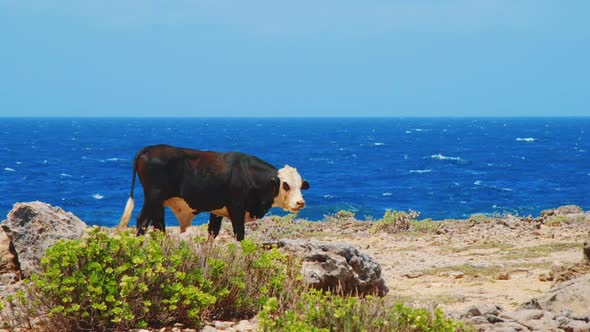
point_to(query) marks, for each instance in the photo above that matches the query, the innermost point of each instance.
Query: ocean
(441, 167)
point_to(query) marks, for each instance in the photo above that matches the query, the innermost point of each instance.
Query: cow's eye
(286, 186)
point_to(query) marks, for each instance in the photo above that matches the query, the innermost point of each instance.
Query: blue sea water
(442, 167)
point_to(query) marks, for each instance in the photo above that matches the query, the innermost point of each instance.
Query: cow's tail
(130, 202)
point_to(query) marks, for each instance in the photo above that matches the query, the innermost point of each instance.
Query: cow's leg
(158, 220)
(214, 225)
(143, 220)
(237, 221)
(152, 211)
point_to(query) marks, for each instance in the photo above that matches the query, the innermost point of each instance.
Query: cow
(233, 185)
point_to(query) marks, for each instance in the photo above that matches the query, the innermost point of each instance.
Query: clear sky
(294, 58)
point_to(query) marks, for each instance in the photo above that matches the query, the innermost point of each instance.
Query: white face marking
(290, 200)
(183, 212)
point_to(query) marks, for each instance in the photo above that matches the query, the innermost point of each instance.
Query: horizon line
(297, 117)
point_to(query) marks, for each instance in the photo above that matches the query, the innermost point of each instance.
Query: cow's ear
(304, 185)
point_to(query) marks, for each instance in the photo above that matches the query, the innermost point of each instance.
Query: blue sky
(300, 58)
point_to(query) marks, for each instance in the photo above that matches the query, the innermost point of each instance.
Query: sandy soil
(505, 261)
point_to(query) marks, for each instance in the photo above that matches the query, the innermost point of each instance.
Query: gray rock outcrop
(337, 267)
(35, 226)
(562, 211)
(565, 307)
(572, 295)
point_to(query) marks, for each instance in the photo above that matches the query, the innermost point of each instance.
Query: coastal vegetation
(120, 282)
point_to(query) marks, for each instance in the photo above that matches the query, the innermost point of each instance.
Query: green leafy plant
(394, 221)
(341, 216)
(119, 282)
(323, 311)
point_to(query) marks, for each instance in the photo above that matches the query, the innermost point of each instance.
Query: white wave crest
(98, 196)
(525, 139)
(442, 157)
(8, 169)
(477, 183)
(386, 194)
(378, 144)
(65, 175)
(420, 171)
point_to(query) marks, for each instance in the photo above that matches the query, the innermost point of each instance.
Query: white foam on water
(65, 175)
(386, 194)
(420, 171)
(443, 157)
(98, 196)
(477, 183)
(525, 139)
(8, 169)
(378, 144)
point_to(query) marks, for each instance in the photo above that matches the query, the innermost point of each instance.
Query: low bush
(394, 221)
(341, 216)
(120, 282)
(322, 311)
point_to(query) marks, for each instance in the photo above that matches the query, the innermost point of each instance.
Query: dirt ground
(430, 270)
(505, 260)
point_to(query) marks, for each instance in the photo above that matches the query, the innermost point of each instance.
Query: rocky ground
(505, 261)
(487, 271)
(500, 273)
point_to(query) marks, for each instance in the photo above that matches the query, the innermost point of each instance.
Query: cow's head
(289, 197)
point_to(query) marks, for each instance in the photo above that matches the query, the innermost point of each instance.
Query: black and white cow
(234, 185)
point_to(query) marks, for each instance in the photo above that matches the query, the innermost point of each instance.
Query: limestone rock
(562, 211)
(337, 267)
(483, 309)
(9, 271)
(35, 226)
(572, 295)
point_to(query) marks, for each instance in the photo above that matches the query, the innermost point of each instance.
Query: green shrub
(120, 282)
(558, 221)
(341, 216)
(319, 311)
(394, 221)
(424, 226)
